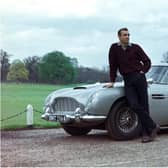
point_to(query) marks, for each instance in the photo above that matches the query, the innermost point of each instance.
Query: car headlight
(47, 100)
(48, 109)
(92, 100)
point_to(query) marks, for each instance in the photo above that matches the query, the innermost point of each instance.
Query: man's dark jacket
(132, 59)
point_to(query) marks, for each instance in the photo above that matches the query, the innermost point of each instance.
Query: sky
(84, 29)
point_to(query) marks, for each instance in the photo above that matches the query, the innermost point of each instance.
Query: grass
(16, 97)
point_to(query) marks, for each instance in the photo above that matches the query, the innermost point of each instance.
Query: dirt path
(53, 147)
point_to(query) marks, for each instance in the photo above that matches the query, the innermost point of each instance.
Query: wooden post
(29, 116)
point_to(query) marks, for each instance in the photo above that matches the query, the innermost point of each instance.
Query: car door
(158, 100)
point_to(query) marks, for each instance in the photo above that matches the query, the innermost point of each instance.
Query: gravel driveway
(53, 147)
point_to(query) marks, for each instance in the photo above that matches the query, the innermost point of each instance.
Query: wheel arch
(115, 102)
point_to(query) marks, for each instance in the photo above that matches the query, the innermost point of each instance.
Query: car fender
(101, 102)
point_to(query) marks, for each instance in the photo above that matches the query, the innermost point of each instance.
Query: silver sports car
(94, 106)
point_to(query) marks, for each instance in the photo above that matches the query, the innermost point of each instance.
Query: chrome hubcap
(127, 120)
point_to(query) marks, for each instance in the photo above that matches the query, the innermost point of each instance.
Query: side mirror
(150, 81)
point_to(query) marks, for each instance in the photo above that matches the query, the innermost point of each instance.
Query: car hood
(80, 93)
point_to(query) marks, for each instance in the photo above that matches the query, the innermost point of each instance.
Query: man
(133, 63)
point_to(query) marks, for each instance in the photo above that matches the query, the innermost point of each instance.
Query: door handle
(158, 96)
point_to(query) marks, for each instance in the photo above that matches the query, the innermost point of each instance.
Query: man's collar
(129, 44)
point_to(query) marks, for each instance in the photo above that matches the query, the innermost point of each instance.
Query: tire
(76, 131)
(122, 123)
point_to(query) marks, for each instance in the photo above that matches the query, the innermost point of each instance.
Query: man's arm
(146, 62)
(113, 64)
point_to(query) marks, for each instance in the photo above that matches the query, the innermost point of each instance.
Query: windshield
(159, 74)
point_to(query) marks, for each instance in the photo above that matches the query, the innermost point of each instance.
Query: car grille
(66, 105)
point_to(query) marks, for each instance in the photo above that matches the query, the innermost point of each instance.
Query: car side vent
(80, 87)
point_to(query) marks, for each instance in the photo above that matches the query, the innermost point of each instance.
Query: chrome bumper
(72, 118)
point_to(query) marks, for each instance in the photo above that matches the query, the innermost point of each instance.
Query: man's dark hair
(122, 29)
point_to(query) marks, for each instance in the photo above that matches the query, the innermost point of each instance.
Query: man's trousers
(137, 95)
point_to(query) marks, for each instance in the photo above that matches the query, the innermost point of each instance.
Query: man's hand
(141, 72)
(109, 85)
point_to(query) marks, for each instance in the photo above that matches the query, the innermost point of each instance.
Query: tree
(91, 75)
(55, 67)
(74, 62)
(17, 72)
(4, 56)
(165, 57)
(32, 65)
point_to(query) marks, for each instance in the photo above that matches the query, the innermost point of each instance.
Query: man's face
(124, 37)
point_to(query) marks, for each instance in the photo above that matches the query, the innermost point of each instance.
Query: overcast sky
(83, 29)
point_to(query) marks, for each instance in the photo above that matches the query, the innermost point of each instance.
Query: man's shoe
(149, 138)
(154, 132)
(146, 139)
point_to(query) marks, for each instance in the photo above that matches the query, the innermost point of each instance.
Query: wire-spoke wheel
(123, 123)
(127, 120)
(76, 131)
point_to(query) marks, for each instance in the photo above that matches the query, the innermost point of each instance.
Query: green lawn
(16, 97)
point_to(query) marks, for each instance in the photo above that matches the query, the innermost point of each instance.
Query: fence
(29, 115)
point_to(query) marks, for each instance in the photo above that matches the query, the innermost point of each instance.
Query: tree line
(54, 67)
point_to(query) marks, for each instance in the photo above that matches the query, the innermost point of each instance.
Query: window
(165, 78)
(158, 74)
